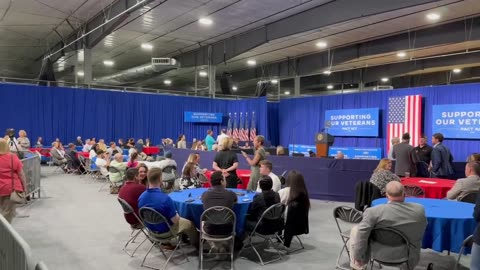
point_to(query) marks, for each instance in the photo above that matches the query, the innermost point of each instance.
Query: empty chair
(348, 217)
(414, 191)
(136, 229)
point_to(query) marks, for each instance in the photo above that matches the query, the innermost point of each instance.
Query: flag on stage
(253, 130)
(245, 128)
(229, 125)
(404, 115)
(235, 127)
(240, 127)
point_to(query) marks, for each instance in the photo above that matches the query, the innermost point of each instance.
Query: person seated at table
(189, 177)
(383, 175)
(142, 174)
(93, 151)
(226, 161)
(101, 145)
(23, 140)
(475, 262)
(87, 146)
(39, 143)
(102, 162)
(130, 192)
(79, 141)
(266, 170)
(58, 155)
(182, 142)
(294, 185)
(339, 155)
(120, 143)
(168, 161)
(154, 198)
(117, 163)
(260, 203)
(407, 218)
(464, 186)
(130, 144)
(235, 143)
(195, 159)
(114, 149)
(280, 151)
(74, 163)
(246, 146)
(474, 157)
(133, 160)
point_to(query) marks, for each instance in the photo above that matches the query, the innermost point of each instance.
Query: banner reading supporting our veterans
(353, 122)
(461, 121)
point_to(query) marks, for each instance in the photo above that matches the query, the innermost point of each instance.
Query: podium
(323, 141)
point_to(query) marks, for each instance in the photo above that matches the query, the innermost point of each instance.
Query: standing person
(255, 162)
(475, 263)
(23, 140)
(11, 172)
(405, 157)
(394, 141)
(223, 134)
(423, 150)
(182, 142)
(226, 162)
(209, 140)
(441, 158)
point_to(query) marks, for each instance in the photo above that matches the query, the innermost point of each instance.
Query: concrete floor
(76, 227)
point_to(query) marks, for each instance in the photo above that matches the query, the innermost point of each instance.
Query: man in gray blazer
(467, 185)
(405, 157)
(408, 218)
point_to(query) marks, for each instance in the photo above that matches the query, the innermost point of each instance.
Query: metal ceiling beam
(115, 9)
(318, 17)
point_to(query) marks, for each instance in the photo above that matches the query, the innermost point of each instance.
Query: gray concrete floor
(74, 226)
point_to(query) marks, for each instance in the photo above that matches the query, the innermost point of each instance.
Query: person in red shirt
(130, 192)
(10, 166)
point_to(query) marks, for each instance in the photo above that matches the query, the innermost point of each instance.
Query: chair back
(470, 197)
(389, 246)
(348, 215)
(273, 215)
(152, 217)
(41, 266)
(127, 208)
(414, 191)
(219, 216)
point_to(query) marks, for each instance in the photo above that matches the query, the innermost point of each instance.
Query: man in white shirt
(266, 170)
(87, 146)
(221, 136)
(102, 162)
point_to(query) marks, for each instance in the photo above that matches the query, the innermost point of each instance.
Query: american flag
(235, 127)
(229, 125)
(245, 128)
(253, 130)
(240, 128)
(404, 115)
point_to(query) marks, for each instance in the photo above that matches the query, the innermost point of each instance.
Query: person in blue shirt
(153, 197)
(209, 140)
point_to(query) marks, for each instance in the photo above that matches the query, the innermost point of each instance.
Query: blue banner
(460, 121)
(353, 122)
(301, 149)
(357, 152)
(202, 117)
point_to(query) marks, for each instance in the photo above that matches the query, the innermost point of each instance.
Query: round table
(151, 150)
(449, 222)
(244, 175)
(435, 188)
(193, 210)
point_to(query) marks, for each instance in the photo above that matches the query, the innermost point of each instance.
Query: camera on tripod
(10, 133)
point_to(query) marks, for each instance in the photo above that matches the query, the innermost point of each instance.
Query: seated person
(189, 177)
(74, 162)
(142, 174)
(117, 162)
(79, 141)
(266, 170)
(114, 148)
(93, 151)
(39, 143)
(130, 192)
(463, 186)
(280, 151)
(474, 157)
(133, 161)
(87, 146)
(407, 218)
(168, 161)
(260, 203)
(58, 154)
(102, 162)
(340, 155)
(154, 197)
(102, 145)
(382, 175)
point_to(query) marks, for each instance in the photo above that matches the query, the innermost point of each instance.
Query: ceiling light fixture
(401, 54)
(329, 86)
(80, 73)
(274, 81)
(287, 93)
(205, 21)
(203, 73)
(108, 63)
(147, 46)
(385, 79)
(433, 16)
(167, 82)
(456, 70)
(327, 72)
(251, 62)
(234, 88)
(321, 44)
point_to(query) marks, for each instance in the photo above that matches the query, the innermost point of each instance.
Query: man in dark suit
(441, 158)
(405, 158)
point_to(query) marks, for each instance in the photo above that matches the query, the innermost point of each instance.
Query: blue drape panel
(273, 122)
(301, 118)
(53, 112)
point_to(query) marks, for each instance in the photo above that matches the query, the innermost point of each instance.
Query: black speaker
(226, 83)
(262, 88)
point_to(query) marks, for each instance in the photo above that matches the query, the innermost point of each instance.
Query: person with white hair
(394, 141)
(79, 141)
(118, 164)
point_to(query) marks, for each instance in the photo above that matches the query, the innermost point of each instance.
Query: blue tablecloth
(449, 222)
(193, 210)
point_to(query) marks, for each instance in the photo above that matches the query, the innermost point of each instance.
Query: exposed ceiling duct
(139, 73)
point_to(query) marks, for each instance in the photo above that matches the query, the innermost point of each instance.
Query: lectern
(323, 140)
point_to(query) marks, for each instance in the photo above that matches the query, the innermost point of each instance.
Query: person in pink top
(10, 166)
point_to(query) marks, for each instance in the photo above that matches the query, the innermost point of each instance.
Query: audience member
(93, 151)
(23, 140)
(120, 143)
(154, 198)
(261, 202)
(10, 165)
(466, 185)
(246, 146)
(73, 163)
(339, 155)
(117, 163)
(79, 141)
(474, 157)
(475, 262)
(101, 145)
(295, 190)
(58, 155)
(405, 158)
(148, 143)
(280, 151)
(223, 134)
(133, 160)
(87, 146)
(383, 175)
(168, 161)
(139, 146)
(209, 140)
(266, 170)
(182, 142)
(130, 144)
(130, 192)
(226, 162)
(423, 150)
(235, 143)
(189, 177)
(394, 141)
(39, 143)
(216, 147)
(102, 162)
(311, 153)
(114, 149)
(442, 158)
(255, 162)
(195, 159)
(142, 174)
(407, 218)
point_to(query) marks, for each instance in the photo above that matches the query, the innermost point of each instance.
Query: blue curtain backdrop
(272, 111)
(52, 112)
(301, 118)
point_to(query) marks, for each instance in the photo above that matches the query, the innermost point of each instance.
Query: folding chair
(111, 170)
(273, 215)
(295, 214)
(218, 216)
(169, 176)
(83, 164)
(152, 217)
(41, 266)
(389, 238)
(59, 166)
(136, 230)
(348, 215)
(69, 167)
(87, 163)
(467, 243)
(414, 191)
(470, 197)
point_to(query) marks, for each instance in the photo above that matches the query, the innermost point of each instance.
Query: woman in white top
(295, 180)
(93, 151)
(23, 140)
(182, 142)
